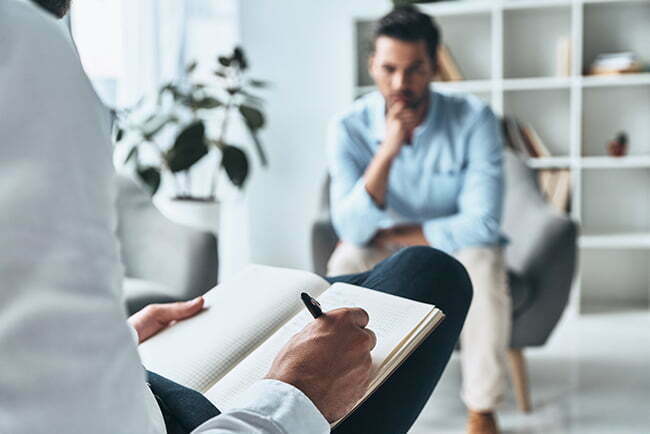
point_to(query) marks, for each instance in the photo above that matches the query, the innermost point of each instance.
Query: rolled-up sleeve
(270, 407)
(355, 215)
(480, 202)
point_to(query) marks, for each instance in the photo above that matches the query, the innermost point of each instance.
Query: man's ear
(371, 62)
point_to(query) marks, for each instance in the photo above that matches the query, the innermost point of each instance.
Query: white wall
(306, 48)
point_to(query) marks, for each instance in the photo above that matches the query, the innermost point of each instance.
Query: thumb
(181, 310)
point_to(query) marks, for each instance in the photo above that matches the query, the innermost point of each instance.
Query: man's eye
(389, 69)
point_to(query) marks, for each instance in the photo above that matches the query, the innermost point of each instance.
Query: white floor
(593, 376)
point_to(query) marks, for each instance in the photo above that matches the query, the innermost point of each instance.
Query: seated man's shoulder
(464, 108)
(358, 117)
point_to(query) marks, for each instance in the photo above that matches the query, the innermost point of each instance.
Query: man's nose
(399, 81)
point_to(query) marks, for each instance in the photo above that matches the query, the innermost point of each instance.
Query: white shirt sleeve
(273, 407)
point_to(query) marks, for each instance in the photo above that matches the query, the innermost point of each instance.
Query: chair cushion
(521, 292)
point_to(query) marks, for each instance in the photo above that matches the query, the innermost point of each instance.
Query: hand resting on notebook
(329, 360)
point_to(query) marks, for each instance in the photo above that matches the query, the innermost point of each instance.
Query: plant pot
(195, 213)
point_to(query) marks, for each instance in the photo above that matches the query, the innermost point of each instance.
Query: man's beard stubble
(56, 7)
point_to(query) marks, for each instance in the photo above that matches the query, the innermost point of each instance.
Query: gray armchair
(163, 261)
(541, 259)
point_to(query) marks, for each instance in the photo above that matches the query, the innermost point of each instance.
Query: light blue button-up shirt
(449, 180)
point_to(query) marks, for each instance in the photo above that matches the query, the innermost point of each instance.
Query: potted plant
(183, 123)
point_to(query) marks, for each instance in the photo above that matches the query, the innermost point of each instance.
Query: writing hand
(155, 317)
(329, 361)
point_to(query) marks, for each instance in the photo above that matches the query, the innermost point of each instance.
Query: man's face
(401, 70)
(57, 7)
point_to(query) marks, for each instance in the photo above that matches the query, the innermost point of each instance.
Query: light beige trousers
(486, 334)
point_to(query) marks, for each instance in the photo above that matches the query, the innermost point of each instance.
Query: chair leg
(519, 377)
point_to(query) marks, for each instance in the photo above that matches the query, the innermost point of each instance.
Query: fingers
(359, 316)
(372, 343)
(178, 311)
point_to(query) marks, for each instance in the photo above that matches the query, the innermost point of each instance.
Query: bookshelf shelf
(534, 4)
(616, 80)
(615, 241)
(529, 59)
(537, 83)
(630, 162)
(469, 86)
(549, 163)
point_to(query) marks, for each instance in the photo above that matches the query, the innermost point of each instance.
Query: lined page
(391, 318)
(241, 313)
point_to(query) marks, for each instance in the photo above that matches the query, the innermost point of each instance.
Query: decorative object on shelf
(555, 184)
(448, 69)
(169, 135)
(616, 63)
(618, 146)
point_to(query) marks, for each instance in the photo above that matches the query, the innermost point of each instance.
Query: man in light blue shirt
(412, 166)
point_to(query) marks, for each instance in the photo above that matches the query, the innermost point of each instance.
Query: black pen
(311, 304)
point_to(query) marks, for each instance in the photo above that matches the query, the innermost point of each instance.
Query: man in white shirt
(67, 360)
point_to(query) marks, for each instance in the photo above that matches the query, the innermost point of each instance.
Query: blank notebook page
(391, 318)
(241, 313)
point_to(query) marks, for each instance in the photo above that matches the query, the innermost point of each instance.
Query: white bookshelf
(508, 59)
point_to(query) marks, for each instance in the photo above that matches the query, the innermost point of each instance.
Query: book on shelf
(248, 319)
(616, 63)
(554, 184)
(563, 57)
(448, 69)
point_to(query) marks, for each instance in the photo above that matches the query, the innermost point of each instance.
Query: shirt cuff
(359, 218)
(438, 237)
(134, 334)
(286, 405)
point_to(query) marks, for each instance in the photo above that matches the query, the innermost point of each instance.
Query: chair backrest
(157, 249)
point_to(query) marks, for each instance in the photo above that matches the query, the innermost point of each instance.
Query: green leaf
(254, 118)
(153, 125)
(219, 73)
(259, 149)
(151, 178)
(119, 135)
(207, 103)
(239, 57)
(133, 153)
(191, 67)
(235, 162)
(224, 61)
(188, 148)
(258, 83)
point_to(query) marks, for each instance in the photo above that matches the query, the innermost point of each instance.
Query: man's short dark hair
(57, 7)
(407, 23)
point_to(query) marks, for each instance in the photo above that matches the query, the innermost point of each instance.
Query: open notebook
(231, 344)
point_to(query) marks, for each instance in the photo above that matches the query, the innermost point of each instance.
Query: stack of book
(616, 63)
(448, 69)
(555, 184)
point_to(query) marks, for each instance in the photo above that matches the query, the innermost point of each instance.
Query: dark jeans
(419, 273)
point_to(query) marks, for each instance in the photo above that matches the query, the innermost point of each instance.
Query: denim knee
(442, 267)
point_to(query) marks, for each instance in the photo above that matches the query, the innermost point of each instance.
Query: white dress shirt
(67, 360)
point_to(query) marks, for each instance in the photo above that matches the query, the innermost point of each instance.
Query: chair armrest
(323, 243)
(549, 266)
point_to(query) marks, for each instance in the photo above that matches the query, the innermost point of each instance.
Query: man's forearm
(376, 175)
